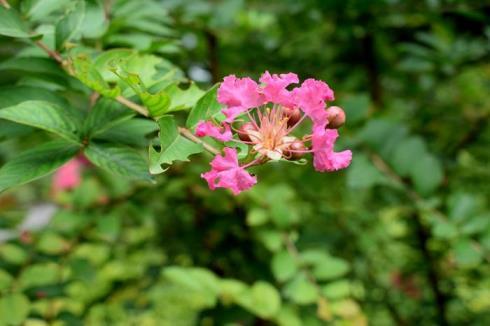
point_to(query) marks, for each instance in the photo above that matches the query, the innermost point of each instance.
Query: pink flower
(239, 95)
(274, 88)
(324, 158)
(227, 173)
(311, 97)
(68, 176)
(207, 128)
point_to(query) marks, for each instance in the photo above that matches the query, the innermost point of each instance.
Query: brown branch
(189, 135)
(53, 54)
(133, 106)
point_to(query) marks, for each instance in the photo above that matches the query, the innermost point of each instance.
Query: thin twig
(5, 4)
(53, 54)
(133, 106)
(189, 135)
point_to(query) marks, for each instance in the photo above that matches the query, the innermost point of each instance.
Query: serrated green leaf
(206, 108)
(119, 160)
(88, 74)
(174, 147)
(14, 309)
(11, 24)
(46, 116)
(68, 28)
(183, 99)
(35, 163)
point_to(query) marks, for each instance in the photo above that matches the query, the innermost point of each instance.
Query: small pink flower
(68, 176)
(311, 98)
(324, 158)
(227, 173)
(207, 128)
(274, 88)
(239, 95)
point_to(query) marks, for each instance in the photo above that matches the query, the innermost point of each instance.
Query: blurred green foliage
(401, 237)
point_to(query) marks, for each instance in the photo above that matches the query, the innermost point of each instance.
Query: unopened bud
(293, 115)
(295, 150)
(336, 117)
(243, 132)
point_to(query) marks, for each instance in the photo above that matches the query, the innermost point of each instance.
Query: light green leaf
(14, 309)
(427, 174)
(257, 216)
(13, 254)
(5, 280)
(406, 154)
(40, 275)
(11, 24)
(467, 255)
(119, 160)
(52, 243)
(183, 99)
(363, 174)
(174, 147)
(37, 9)
(88, 74)
(206, 108)
(330, 268)
(35, 163)
(44, 115)
(68, 28)
(262, 299)
(301, 290)
(337, 290)
(283, 266)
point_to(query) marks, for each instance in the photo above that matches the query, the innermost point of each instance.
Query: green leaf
(363, 174)
(337, 290)
(13, 254)
(40, 275)
(68, 28)
(5, 280)
(183, 99)
(262, 299)
(257, 216)
(283, 266)
(13, 95)
(119, 160)
(35, 163)
(330, 268)
(14, 309)
(174, 147)
(427, 174)
(301, 290)
(131, 132)
(11, 24)
(52, 243)
(105, 114)
(466, 253)
(44, 115)
(206, 108)
(356, 107)
(88, 74)
(406, 154)
(37, 9)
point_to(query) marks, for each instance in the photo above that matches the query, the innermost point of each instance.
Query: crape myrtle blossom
(266, 117)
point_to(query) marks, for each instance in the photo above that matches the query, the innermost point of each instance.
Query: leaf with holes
(88, 74)
(174, 147)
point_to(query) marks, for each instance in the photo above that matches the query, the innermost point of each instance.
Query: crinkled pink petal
(274, 88)
(311, 96)
(239, 95)
(68, 176)
(207, 128)
(324, 158)
(227, 173)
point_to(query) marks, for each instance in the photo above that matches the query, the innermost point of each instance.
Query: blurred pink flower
(68, 176)
(227, 173)
(207, 128)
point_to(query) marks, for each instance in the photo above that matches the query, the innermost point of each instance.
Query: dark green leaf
(106, 114)
(11, 24)
(131, 132)
(427, 174)
(35, 163)
(44, 115)
(13, 95)
(68, 28)
(119, 160)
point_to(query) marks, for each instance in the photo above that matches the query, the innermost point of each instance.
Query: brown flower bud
(292, 151)
(243, 132)
(336, 117)
(293, 115)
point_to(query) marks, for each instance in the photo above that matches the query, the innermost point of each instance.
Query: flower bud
(293, 150)
(336, 117)
(243, 132)
(293, 115)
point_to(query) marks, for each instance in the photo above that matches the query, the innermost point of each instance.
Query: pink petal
(68, 176)
(274, 88)
(324, 158)
(311, 97)
(226, 173)
(239, 95)
(207, 128)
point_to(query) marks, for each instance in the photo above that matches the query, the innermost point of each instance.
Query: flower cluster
(266, 117)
